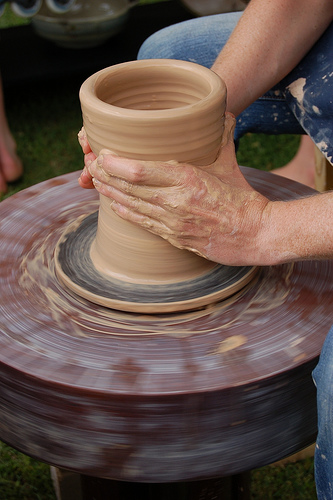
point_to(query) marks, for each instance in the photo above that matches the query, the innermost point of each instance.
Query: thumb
(229, 129)
(226, 161)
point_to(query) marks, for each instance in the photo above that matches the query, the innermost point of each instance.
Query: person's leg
(323, 378)
(10, 164)
(302, 166)
(306, 94)
(200, 40)
(308, 91)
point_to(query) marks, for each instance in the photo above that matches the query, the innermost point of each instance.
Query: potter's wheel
(153, 398)
(76, 270)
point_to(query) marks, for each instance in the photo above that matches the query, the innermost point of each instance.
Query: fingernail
(114, 205)
(80, 135)
(96, 182)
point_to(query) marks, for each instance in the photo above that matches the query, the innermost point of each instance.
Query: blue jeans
(300, 103)
(323, 378)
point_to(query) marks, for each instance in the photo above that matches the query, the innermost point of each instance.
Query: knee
(198, 40)
(157, 46)
(173, 42)
(309, 95)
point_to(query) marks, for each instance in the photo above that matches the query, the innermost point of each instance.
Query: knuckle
(147, 223)
(125, 186)
(136, 172)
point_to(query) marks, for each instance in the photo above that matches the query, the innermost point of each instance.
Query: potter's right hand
(212, 211)
(85, 179)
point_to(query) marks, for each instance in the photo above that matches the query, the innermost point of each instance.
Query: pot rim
(217, 87)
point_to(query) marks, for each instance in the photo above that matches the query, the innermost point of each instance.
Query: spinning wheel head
(76, 270)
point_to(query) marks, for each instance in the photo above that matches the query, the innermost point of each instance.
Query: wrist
(277, 238)
(269, 245)
(296, 230)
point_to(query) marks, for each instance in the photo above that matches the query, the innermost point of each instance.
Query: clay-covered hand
(213, 211)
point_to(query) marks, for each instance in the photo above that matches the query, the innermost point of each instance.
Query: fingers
(229, 129)
(147, 222)
(153, 218)
(227, 157)
(183, 233)
(83, 141)
(85, 180)
(152, 208)
(226, 167)
(135, 198)
(88, 159)
(147, 173)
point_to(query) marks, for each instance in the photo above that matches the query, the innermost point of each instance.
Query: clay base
(75, 269)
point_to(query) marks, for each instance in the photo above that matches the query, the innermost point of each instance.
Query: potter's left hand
(213, 211)
(85, 179)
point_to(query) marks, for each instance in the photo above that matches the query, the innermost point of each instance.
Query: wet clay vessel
(147, 110)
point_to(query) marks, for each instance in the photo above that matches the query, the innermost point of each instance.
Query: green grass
(9, 19)
(45, 123)
(23, 478)
(294, 481)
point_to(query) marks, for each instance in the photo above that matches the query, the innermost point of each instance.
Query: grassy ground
(45, 123)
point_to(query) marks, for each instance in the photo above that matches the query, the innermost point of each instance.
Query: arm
(215, 212)
(298, 230)
(271, 37)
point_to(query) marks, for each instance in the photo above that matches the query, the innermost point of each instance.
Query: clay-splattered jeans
(301, 103)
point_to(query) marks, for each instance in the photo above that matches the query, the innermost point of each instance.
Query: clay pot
(151, 110)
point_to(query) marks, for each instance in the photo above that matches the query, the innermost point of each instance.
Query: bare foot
(11, 167)
(302, 167)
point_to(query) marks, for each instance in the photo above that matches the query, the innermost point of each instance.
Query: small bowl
(87, 24)
(208, 7)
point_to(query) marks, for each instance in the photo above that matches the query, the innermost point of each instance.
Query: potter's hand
(212, 212)
(85, 179)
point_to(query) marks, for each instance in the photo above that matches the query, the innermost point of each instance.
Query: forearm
(297, 230)
(270, 39)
